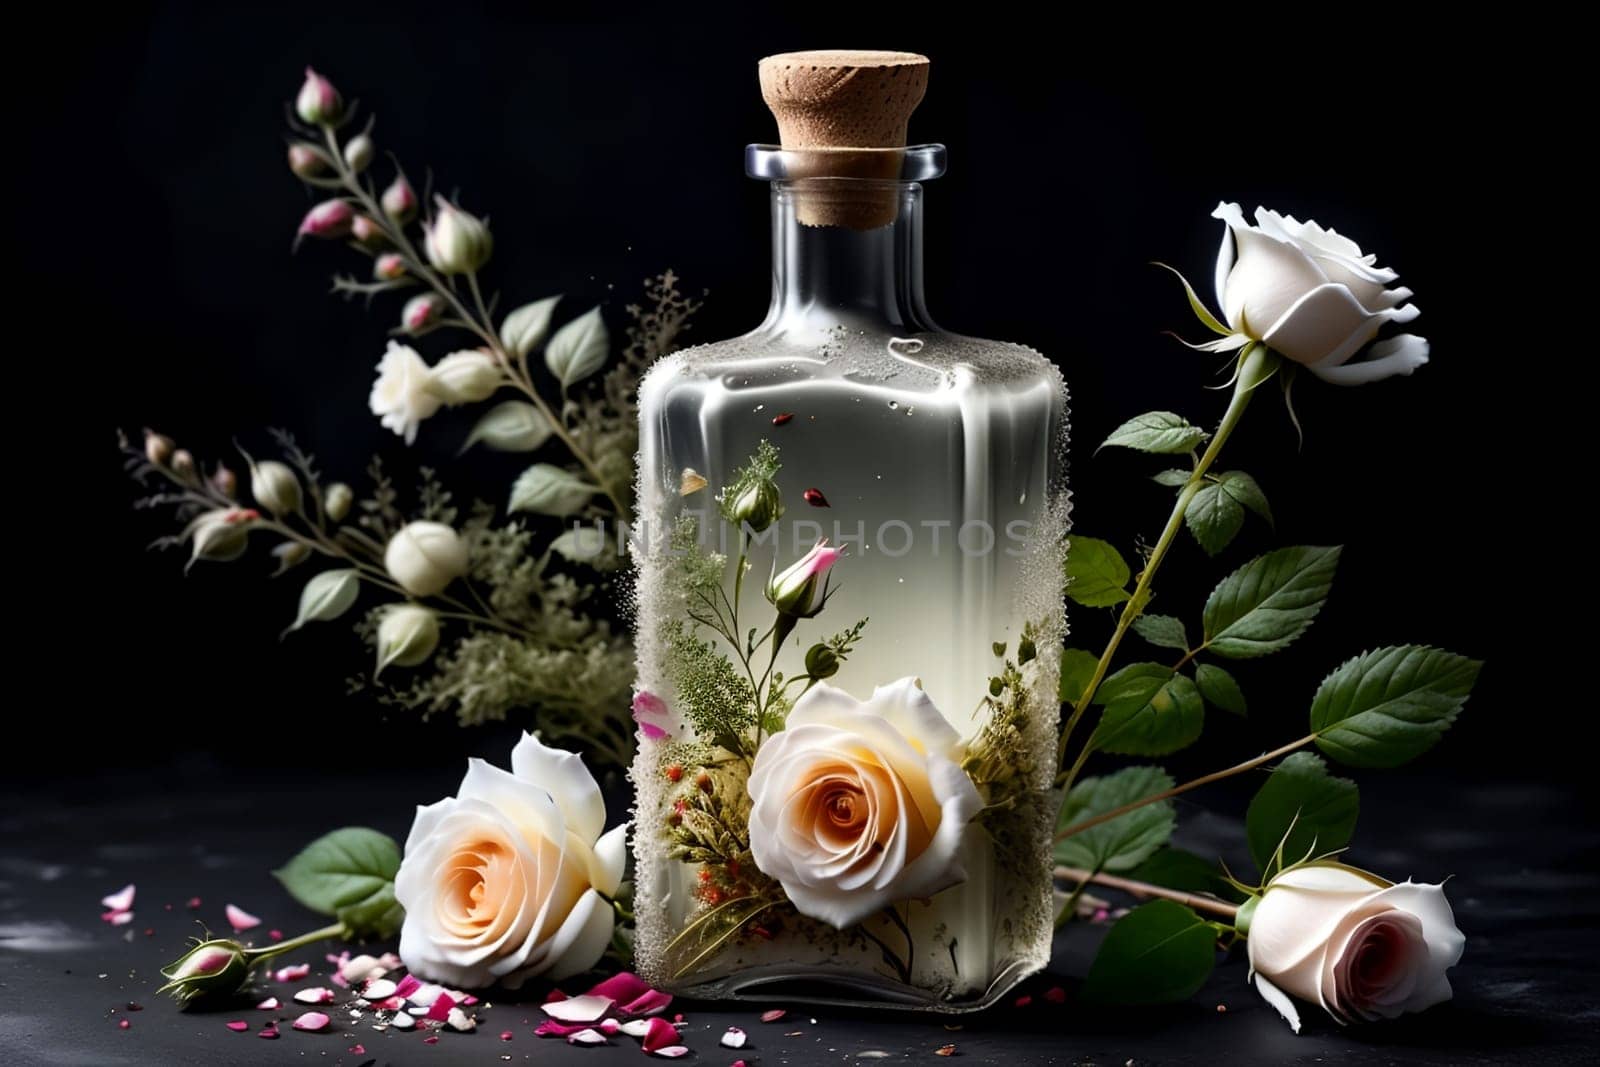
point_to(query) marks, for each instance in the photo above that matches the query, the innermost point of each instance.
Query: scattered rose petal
(292, 973)
(1056, 995)
(358, 1050)
(192, 903)
(636, 1027)
(424, 995)
(659, 1034)
(734, 1038)
(268, 1032)
(124, 1024)
(379, 989)
(586, 1036)
(584, 1009)
(551, 1028)
(357, 968)
(118, 918)
(408, 985)
(1023, 1001)
(553, 996)
(672, 1052)
(238, 1026)
(815, 498)
(460, 1021)
(431, 1039)
(773, 1016)
(312, 1020)
(389, 961)
(506, 1035)
(945, 1050)
(1101, 915)
(471, 1001)
(121, 900)
(782, 418)
(442, 1006)
(402, 1021)
(340, 980)
(270, 1004)
(276, 935)
(650, 1002)
(739, 1063)
(316, 995)
(690, 481)
(390, 1003)
(240, 919)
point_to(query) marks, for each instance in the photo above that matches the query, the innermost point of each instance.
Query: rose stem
(1145, 889)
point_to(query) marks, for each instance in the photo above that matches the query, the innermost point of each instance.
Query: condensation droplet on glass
(760, 407)
(904, 346)
(894, 405)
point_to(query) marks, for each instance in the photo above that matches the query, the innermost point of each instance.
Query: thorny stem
(1177, 790)
(1252, 363)
(1197, 901)
(481, 327)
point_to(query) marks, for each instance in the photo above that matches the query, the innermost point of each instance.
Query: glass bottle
(896, 848)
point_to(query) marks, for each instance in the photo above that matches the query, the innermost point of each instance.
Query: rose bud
(307, 160)
(289, 554)
(456, 242)
(336, 501)
(358, 152)
(466, 377)
(183, 464)
(331, 218)
(800, 590)
(221, 534)
(407, 636)
(425, 557)
(158, 448)
(210, 970)
(225, 482)
(275, 487)
(319, 102)
(389, 266)
(399, 201)
(758, 506)
(421, 312)
(821, 661)
(368, 231)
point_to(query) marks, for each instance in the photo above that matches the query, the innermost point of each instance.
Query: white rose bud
(220, 534)
(1312, 296)
(336, 501)
(318, 102)
(275, 487)
(466, 377)
(407, 636)
(158, 448)
(456, 242)
(425, 557)
(183, 464)
(1359, 946)
(358, 152)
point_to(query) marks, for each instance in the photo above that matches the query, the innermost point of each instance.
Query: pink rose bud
(225, 482)
(331, 218)
(421, 312)
(368, 231)
(183, 464)
(319, 102)
(801, 588)
(307, 160)
(400, 201)
(388, 267)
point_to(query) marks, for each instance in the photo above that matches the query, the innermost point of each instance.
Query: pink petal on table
(585, 1009)
(192, 903)
(649, 1002)
(734, 1038)
(407, 986)
(340, 981)
(238, 1026)
(621, 987)
(121, 900)
(460, 1020)
(402, 1021)
(469, 1000)
(276, 935)
(774, 1015)
(312, 1020)
(439, 1010)
(672, 1052)
(117, 918)
(659, 1034)
(358, 1049)
(553, 996)
(315, 995)
(424, 994)
(609, 1027)
(270, 1004)
(586, 1037)
(634, 1027)
(379, 989)
(292, 973)
(551, 1028)
(240, 919)
(270, 1031)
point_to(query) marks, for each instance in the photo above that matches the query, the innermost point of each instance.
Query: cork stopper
(829, 102)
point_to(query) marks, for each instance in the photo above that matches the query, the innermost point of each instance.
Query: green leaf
(1163, 631)
(1391, 705)
(327, 596)
(1077, 667)
(514, 426)
(1214, 517)
(1136, 681)
(1246, 491)
(1156, 431)
(348, 874)
(1097, 575)
(1303, 808)
(1220, 689)
(1264, 605)
(1203, 313)
(578, 349)
(1158, 953)
(524, 328)
(1171, 479)
(580, 544)
(550, 490)
(1168, 720)
(1175, 868)
(1126, 841)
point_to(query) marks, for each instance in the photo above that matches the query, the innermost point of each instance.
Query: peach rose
(509, 878)
(857, 805)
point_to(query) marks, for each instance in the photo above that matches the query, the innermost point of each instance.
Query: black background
(608, 150)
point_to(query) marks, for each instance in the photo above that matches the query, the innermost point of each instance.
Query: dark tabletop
(1524, 888)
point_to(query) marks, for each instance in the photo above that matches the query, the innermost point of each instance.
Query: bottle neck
(825, 277)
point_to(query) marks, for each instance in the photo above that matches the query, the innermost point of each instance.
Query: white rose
(508, 879)
(402, 396)
(1310, 295)
(425, 557)
(857, 805)
(1359, 946)
(466, 377)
